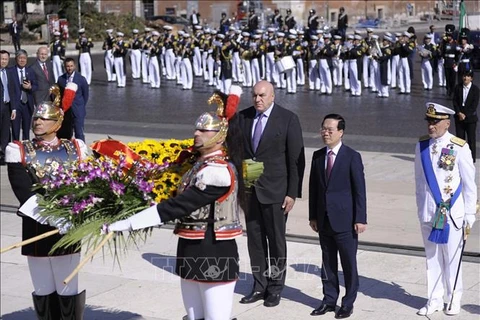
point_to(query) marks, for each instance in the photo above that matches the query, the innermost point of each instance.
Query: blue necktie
(257, 132)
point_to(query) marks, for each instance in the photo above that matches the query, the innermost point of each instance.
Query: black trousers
(467, 129)
(450, 77)
(66, 130)
(267, 245)
(344, 244)
(4, 129)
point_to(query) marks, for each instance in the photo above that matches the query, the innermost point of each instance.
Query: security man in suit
(272, 135)
(7, 108)
(338, 213)
(465, 100)
(446, 196)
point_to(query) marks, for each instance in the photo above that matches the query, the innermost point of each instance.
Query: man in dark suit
(15, 29)
(7, 111)
(43, 69)
(24, 84)
(465, 102)
(337, 211)
(74, 119)
(272, 135)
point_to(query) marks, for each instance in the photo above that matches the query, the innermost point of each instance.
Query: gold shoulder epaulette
(458, 141)
(423, 138)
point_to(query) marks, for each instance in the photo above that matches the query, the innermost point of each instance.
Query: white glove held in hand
(470, 220)
(144, 219)
(62, 224)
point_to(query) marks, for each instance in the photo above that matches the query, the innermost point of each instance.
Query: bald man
(272, 135)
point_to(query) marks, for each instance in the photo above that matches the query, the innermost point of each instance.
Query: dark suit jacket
(81, 96)
(471, 104)
(10, 93)
(281, 151)
(16, 98)
(343, 197)
(11, 30)
(43, 84)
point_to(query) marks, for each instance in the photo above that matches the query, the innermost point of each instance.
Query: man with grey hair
(43, 70)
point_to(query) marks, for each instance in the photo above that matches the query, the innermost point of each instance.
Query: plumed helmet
(312, 11)
(289, 11)
(50, 110)
(218, 121)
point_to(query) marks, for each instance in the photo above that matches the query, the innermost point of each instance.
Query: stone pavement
(392, 285)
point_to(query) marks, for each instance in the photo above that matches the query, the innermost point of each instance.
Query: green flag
(463, 16)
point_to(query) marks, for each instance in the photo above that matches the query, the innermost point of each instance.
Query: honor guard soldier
(367, 67)
(235, 36)
(257, 48)
(290, 22)
(136, 54)
(252, 23)
(226, 65)
(217, 51)
(383, 74)
(406, 48)
(204, 46)
(344, 55)
(311, 57)
(178, 44)
(210, 49)
(270, 43)
(197, 54)
(28, 161)
(325, 64)
(427, 53)
(448, 49)
(153, 65)
(224, 23)
(246, 56)
(395, 59)
(446, 195)
(169, 52)
(119, 51)
(466, 51)
(108, 56)
(187, 53)
(57, 52)
(146, 41)
(277, 20)
(300, 61)
(279, 54)
(293, 50)
(337, 61)
(354, 64)
(312, 22)
(83, 46)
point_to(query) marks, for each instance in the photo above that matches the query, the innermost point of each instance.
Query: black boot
(72, 307)
(46, 307)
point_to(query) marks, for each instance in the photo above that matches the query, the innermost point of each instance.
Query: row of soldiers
(286, 59)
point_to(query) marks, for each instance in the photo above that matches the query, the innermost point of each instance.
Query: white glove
(470, 220)
(144, 219)
(62, 224)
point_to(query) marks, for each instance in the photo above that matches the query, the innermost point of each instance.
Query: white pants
(325, 76)
(404, 81)
(209, 301)
(205, 65)
(427, 74)
(48, 273)
(247, 71)
(346, 75)
(163, 62)
(86, 66)
(337, 72)
(263, 65)
(255, 71)
(366, 67)
(270, 67)
(197, 62)
(373, 71)
(109, 63)
(178, 70)
(170, 64)
(281, 83)
(300, 72)
(236, 72)
(313, 75)
(121, 76)
(187, 74)
(355, 84)
(212, 80)
(441, 73)
(135, 57)
(291, 80)
(395, 66)
(154, 72)
(57, 67)
(145, 67)
(442, 263)
(225, 85)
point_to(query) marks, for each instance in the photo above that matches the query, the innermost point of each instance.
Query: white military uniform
(443, 259)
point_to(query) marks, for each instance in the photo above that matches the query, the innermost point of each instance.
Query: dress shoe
(429, 309)
(344, 312)
(452, 309)
(252, 297)
(322, 309)
(272, 300)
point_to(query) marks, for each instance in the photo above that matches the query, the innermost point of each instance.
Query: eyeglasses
(433, 122)
(329, 130)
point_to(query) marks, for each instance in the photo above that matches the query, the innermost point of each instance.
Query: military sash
(440, 228)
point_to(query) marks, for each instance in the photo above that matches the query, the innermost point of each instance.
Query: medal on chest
(447, 158)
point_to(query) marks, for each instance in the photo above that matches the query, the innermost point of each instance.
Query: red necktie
(329, 163)
(45, 71)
